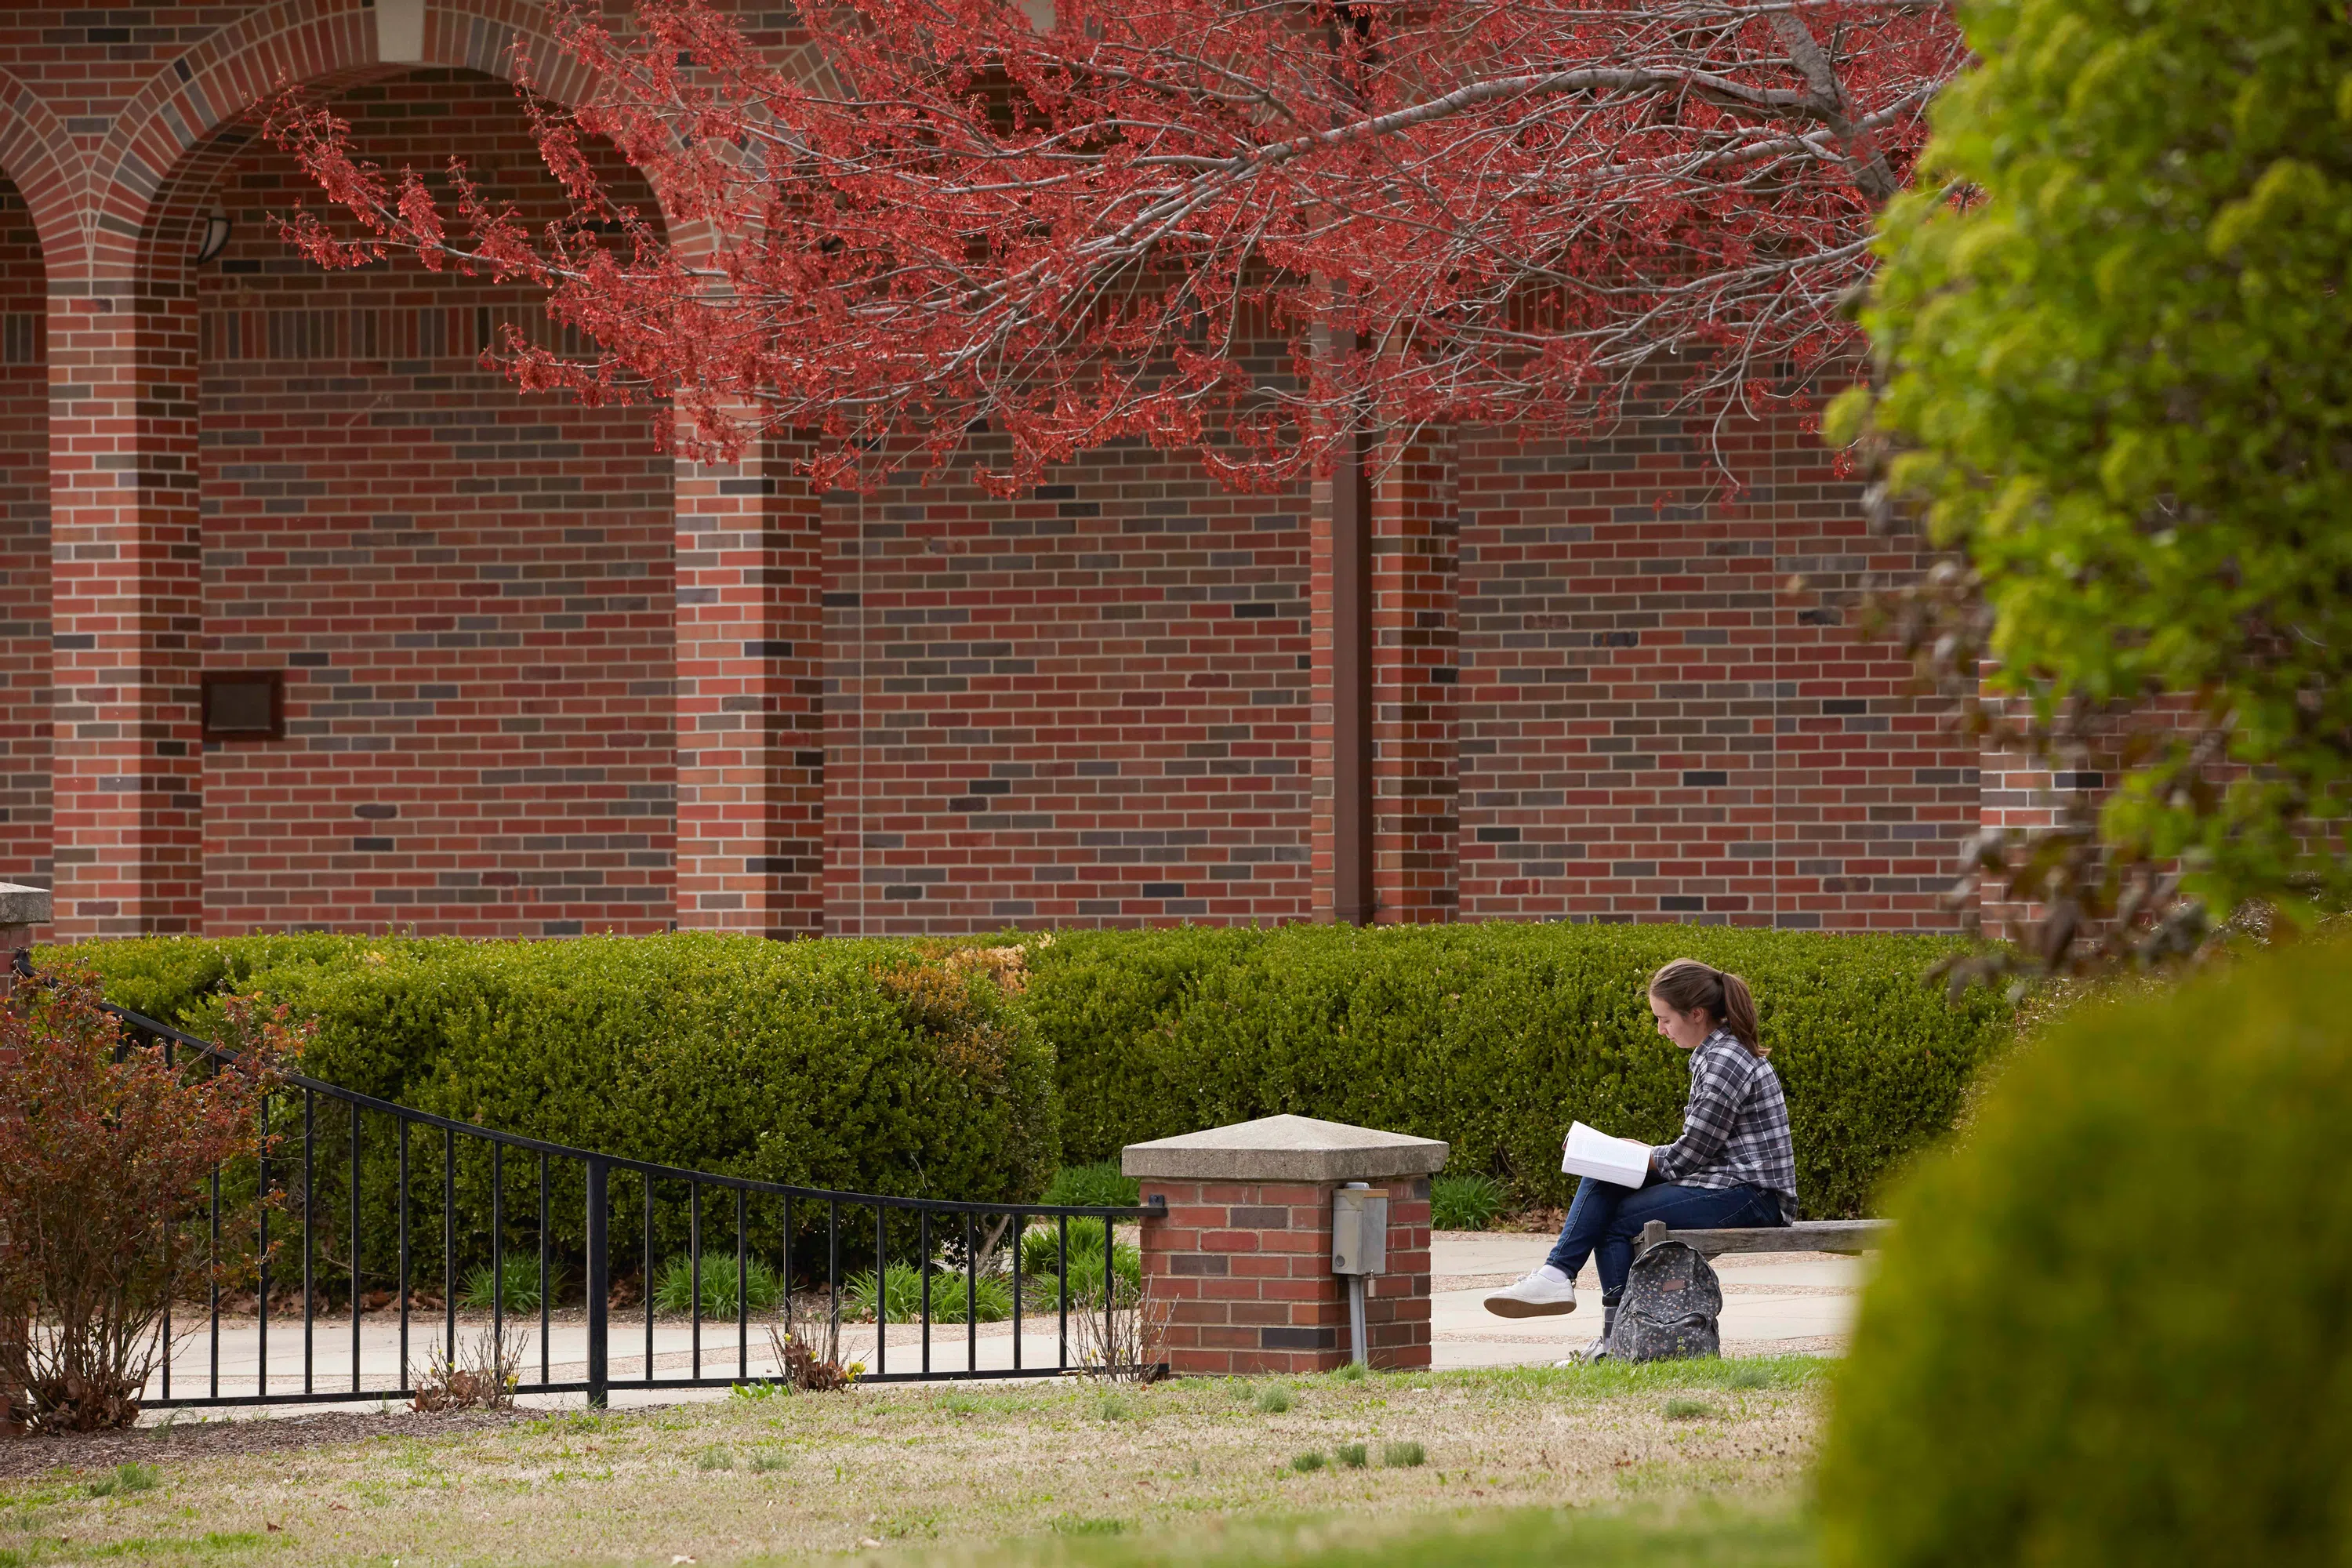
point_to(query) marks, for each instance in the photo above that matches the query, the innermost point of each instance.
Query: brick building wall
(1086, 705)
(540, 678)
(24, 551)
(1666, 713)
(468, 587)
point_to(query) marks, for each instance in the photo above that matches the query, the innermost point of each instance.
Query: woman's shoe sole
(1503, 1306)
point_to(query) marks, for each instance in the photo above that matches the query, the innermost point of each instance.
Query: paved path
(1775, 1303)
(1799, 1302)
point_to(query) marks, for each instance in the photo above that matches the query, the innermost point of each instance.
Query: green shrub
(861, 1066)
(1465, 1202)
(1041, 1261)
(1099, 1185)
(902, 1296)
(1308, 1462)
(1404, 1456)
(674, 1286)
(2109, 1325)
(1352, 1455)
(522, 1294)
(1041, 1246)
(1494, 1037)
(1274, 1400)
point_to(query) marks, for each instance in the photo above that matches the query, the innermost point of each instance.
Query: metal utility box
(1360, 1231)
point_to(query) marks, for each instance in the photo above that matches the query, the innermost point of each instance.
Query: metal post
(543, 1292)
(309, 1190)
(449, 1245)
(599, 1373)
(355, 1248)
(261, 1348)
(402, 1205)
(1356, 1320)
(497, 1253)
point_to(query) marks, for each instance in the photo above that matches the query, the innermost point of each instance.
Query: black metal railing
(944, 1242)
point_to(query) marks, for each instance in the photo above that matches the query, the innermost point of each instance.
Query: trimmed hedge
(864, 1066)
(1495, 1037)
(2109, 1326)
(799, 1062)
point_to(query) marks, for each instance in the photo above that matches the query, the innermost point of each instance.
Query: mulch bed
(187, 1438)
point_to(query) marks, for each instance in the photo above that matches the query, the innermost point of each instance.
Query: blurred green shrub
(2110, 1327)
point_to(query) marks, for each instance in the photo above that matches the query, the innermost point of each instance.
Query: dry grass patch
(774, 1479)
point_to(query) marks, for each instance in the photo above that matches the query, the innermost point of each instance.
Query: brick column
(750, 696)
(127, 608)
(1415, 669)
(1244, 1257)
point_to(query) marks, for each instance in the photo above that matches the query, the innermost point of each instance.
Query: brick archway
(160, 140)
(46, 166)
(129, 600)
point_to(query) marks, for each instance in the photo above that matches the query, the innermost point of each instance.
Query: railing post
(599, 1286)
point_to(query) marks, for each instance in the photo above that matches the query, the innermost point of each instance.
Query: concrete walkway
(1774, 1304)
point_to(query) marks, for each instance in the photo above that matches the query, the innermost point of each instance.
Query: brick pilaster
(1415, 656)
(1246, 1267)
(1339, 601)
(750, 696)
(127, 608)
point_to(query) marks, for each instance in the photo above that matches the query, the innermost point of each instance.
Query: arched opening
(24, 749)
(464, 592)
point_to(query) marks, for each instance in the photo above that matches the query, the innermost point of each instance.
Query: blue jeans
(1605, 1218)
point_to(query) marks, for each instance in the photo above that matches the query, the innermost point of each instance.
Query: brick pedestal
(1244, 1255)
(22, 912)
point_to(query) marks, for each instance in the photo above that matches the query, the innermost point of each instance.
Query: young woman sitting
(1733, 1165)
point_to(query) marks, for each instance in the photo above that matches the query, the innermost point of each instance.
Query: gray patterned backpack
(1671, 1301)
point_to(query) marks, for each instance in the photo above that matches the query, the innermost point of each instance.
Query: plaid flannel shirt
(1736, 1127)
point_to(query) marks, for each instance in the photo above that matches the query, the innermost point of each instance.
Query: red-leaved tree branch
(1243, 226)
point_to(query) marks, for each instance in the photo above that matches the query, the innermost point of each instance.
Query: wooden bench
(1848, 1236)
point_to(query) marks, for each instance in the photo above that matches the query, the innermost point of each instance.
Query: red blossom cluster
(1243, 227)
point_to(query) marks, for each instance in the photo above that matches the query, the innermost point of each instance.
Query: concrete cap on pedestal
(21, 906)
(1284, 1149)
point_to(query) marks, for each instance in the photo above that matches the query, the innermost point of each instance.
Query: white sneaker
(1534, 1297)
(1588, 1355)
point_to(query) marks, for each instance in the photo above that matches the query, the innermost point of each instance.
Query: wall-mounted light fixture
(215, 240)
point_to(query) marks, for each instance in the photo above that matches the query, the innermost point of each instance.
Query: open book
(1592, 1153)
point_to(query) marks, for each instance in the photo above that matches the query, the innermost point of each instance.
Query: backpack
(1671, 1301)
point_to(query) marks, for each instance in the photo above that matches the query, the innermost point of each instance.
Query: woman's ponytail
(1739, 1016)
(1687, 986)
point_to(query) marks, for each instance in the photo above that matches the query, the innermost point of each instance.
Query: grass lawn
(1689, 1464)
